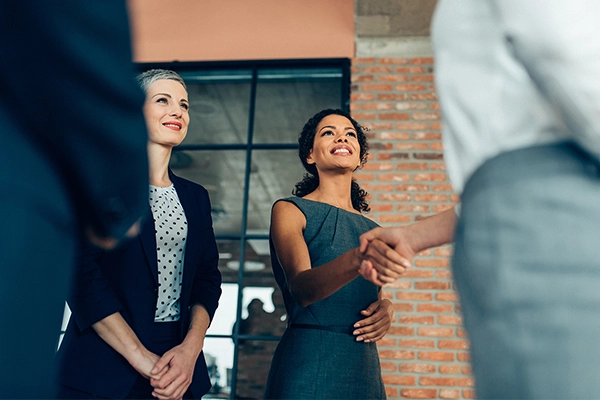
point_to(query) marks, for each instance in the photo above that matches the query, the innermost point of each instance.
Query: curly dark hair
(310, 181)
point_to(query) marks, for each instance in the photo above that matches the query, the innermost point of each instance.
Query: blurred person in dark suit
(72, 160)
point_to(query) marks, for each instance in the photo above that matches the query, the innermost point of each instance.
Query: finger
(162, 363)
(383, 252)
(371, 309)
(365, 238)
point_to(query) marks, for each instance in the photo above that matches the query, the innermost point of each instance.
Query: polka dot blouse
(170, 226)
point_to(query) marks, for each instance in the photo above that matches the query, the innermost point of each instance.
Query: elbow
(303, 297)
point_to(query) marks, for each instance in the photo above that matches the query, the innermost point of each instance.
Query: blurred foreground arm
(407, 241)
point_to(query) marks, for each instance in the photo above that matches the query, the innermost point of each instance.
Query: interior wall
(224, 30)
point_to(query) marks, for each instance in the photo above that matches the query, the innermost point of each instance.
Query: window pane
(218, 353)
(285, 101)
(219, 109)
(222, 174)
(274, 174)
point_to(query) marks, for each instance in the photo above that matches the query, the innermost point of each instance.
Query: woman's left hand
(379, 319)
(176, 380)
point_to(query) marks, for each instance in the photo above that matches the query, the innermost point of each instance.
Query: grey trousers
(527, 267)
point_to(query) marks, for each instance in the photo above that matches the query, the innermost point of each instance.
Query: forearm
(199, 323)
(432, 231)
(315, 284)
(115, 331)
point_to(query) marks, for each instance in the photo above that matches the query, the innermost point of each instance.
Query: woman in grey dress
(335, 317)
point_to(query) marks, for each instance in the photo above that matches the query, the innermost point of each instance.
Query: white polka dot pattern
(170, 226)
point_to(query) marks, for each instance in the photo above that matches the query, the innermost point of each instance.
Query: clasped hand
(386, 255)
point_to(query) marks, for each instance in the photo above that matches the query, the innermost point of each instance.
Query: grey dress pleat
(318, 357)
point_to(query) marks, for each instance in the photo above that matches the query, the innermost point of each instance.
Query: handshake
(387, 253)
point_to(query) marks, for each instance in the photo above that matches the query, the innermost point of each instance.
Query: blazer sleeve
(206, 289)
(91, 298)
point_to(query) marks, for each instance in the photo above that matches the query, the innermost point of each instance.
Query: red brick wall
(425, 354)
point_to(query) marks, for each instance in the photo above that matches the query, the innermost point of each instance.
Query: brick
(469, 394)
(378, 166)
(392, 96)
(464, 357)
(427, 197)
(394, 116)
(363, 60)
(407, 307)
(435, 126)
(394, 177)
(424, 97)
(443, 251)
(399, 284)
(394, 136)
(436, 263)
(381, 207)
(432, 285)
(402, 380)
(435, 332)
(369, 187)
(427, 136)
(449, 320)
(409, 87)
(436, 356)
(419, 393)
(412, 166)
(419, 368)
(422, 60)
(412, 146)
(390, 60)
(412, 188)
(433, 381)
(394, 197)
(434, 308)
(417, 343)
(446, 274)
(377, 69)
(429, 177)
(428, 156)
(362, 97)
(422, 78)
(442, 187)
(410, 70)
(466, 369)
(410, 106)
(362, 78)
(378, 146)
(393, 78)
(391, 392)
(388, 367)
(362, 116)
(401, 331)
(438, 166)
(465, 382)
(411, 126)
(376, 106)
(435, 106)
(461, 333)
(417, 296)
(426, 116)
(397, 354)
(450, 369)
(378, 126)
(376, 87)
(454, 344)
(413, 319)
(449, 394)
(387, 342)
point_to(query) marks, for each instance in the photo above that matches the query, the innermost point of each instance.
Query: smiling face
(166, 112)
(335, 144)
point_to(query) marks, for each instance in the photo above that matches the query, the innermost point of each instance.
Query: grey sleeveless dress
(318, 357)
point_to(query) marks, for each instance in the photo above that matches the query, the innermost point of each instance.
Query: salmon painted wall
(222, 30)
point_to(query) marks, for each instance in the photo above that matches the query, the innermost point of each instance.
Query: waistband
(333, 328)
(564, 158)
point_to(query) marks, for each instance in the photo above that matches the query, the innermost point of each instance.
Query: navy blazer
(125, 280)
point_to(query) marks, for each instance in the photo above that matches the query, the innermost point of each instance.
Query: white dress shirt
(515, 73)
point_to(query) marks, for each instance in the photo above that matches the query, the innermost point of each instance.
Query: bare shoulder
(287, 214)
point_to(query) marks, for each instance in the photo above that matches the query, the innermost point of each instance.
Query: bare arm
(115, 331)
(408, 240)
(308, 284)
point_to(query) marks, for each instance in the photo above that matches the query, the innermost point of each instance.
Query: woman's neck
(334, 190)
(158, 158)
